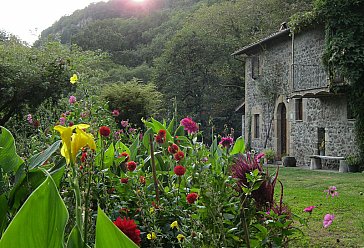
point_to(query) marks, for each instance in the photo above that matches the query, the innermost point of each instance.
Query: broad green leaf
(108, 235)
(171, 126)
(146, 138)
(9, 160)
(180, 131)
(134, 148)
(158, 126)
(239, 146)
(3, 213)
(75, 239)
(41, 221)
(121, 147)
(109, 156)
(41, 157)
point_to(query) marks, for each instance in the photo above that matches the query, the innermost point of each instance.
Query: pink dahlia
(332, 191)
(72, 100)
(309, 209)
(189, 125)
(226, 141)
(328, 219)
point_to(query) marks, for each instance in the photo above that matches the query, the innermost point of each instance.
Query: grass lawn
(303, 188)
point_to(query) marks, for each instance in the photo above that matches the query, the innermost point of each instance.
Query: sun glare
(138, 1)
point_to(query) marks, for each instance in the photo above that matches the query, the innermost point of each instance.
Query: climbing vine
(344, 48)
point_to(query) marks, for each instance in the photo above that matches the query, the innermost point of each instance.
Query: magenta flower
(309, 209)
(259, 156)
(226, 141)
(115, 112)
(332, 191)
(124, 123)
(62, 121)
(72, 100)
(30, 118)
(189, 125)
(328, 219)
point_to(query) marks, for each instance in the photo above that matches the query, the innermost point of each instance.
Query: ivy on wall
(344, 48)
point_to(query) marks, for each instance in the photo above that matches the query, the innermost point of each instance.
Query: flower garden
(90, 180)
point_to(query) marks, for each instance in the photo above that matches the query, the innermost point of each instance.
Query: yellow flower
(151, 210)
(174, 224)
(74, 79)
(73, 142)
(180, 237)
(151, 236)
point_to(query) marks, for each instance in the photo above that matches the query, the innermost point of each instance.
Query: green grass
(303, 188)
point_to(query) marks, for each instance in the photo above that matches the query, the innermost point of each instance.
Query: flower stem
(154, 171)
(76, 190)
(245, 225)
(87, 199)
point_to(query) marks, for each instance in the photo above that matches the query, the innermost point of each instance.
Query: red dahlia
(161, 136)
(131, 166)
(179, 156)
(83, 157)
(129, 228)
(179, 170)
(191, 198)
(172, 149)
(104, 131)
(126, 155)
(124, 180)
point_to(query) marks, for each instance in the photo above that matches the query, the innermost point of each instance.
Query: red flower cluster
(191, 198)
(104, 131)
(179, 170)
(129, 228)
(172, 149)
(124, 180)
(83, 157)
(131, 166)
(161, 136)
(179, 156)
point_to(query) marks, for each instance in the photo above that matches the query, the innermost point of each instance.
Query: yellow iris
(180, 237)
(73, 142)
(151, 236)
(74, 79)
(174, 224)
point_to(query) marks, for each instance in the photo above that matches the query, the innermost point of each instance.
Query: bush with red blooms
(173, 149)
(131, 165)
(129, 228)
(179, 170)
(161, 136)
(104, 131)
(191, 198)
(179, 156)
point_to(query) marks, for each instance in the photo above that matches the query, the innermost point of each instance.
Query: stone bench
(316, 162)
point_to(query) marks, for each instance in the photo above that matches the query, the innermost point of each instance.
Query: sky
(28, 18)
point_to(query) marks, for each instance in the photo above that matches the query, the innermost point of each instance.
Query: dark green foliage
(134, 101)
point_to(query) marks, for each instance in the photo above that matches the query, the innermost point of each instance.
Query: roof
(260, 42)
(240, 107)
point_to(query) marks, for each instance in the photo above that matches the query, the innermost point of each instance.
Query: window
(299, 109)
(255, 67)
(256, 126)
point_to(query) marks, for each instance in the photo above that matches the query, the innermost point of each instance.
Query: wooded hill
(182, 46)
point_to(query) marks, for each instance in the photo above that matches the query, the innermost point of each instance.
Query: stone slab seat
(316, 161)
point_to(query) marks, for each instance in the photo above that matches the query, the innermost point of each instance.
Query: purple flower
(131, 130)
(115, 112)
(226, 141)
(124, 123)
(309, 209)
(331, 191)
(30, 118)
(328, 219)
(62, 121)
(189, 125)
(72, 99)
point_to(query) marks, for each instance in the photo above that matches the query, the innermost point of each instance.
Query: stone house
(290, 105)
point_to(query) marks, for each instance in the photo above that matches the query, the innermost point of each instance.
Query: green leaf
(108, 235)
(75, 239)
(41, 157)
(41, 221)
(158, 126)
(180, 131)
(171, 125)
(109, 156)
(239, 146)
(3, 212)
(121, 147)
(146, 138)
(134, 148)
(9, 160)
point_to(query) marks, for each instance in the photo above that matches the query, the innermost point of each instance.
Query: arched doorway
(281, 130)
